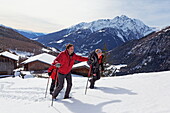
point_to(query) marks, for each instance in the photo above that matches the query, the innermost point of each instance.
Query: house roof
(44, 57)
(81, 64)
(9, 55)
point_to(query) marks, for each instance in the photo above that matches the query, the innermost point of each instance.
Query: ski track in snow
(30, 94)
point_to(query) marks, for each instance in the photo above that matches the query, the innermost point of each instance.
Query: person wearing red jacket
(66, 59)
(52, 72)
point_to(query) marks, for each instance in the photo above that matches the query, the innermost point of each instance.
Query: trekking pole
(56, 77)
(47, 87)
(88, 79)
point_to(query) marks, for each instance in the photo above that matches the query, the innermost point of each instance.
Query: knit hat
(98, 51)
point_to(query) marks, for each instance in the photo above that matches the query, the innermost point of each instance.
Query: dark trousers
(94, 79)
(60, 86)
(52, 85)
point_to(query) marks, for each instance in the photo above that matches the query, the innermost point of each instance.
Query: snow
(2, 76)
(120, 36)
(54, 49)
(113, 69)
(27, 74)
(34, 39)
(81, 64)
(138, 93)
(166, 30)
(79, 54)
(120, 22)
(120, 66)
(101, 31)
(44, 57)
(22, 53)
(9, 55)
(46, 50)
(97, 42)
(67, 35)
(60, 41)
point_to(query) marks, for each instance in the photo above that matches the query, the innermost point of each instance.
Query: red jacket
(67, 61)
(53, 71)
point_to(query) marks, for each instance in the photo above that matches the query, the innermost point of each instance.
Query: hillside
(148, 54)
(12, 40)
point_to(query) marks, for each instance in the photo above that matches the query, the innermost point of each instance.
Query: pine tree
(106, 57)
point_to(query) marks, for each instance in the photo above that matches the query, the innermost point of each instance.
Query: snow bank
(138, 93)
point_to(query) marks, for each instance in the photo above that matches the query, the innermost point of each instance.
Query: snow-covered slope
(139, 93)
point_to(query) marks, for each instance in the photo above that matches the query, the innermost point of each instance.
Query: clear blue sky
(52, 15)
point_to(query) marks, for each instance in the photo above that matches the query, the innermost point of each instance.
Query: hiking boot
(53, 97)
(51, 93)
(67, 97)
(91, 87)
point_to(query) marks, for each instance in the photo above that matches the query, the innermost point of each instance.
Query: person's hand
(94, 74)
(58, 65)
(49, 73)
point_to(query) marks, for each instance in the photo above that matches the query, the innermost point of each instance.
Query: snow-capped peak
(120, 22)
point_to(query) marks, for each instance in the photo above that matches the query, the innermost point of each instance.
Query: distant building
(39, 62)
(8, 62)
(81, 68)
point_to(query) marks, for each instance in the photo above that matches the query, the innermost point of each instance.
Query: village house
(8, 62)
(39, 62)
(81, 68)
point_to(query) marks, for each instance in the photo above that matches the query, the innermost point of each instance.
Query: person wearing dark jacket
(95, 61)
(66, 59)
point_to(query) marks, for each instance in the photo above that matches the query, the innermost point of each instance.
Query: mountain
(26, 33)
(148, 54)
(29, 34)
(89, 36)
(12, 40)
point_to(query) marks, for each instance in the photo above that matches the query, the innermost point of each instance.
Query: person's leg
(93, 80)
(69, 85)
(91, 83)
(60, 85)
(52, 86)
(98, 75)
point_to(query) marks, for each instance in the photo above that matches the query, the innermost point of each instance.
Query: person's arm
(102, 67)
(58, 59)
(92, 62)
(101, 64)
(80, 58)
(50, 70)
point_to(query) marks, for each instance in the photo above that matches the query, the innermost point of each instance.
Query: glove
(49, 73)
(58, 65)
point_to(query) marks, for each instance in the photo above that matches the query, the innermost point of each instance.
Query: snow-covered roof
(9, 55)
(116, 66)
(81, 64)
(44, 57)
